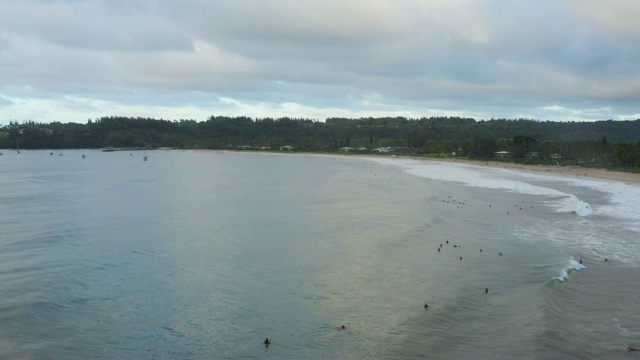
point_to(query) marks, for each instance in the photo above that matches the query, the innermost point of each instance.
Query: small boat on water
(109, 148)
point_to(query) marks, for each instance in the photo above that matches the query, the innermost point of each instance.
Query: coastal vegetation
(604, 144)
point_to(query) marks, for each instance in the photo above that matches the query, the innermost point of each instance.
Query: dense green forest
(609, 144)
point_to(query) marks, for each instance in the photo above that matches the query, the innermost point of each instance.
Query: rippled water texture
(203, 255)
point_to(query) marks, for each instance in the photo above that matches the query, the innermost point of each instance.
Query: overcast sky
(561, 60)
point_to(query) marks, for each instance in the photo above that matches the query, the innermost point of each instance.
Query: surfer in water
(426, 306)
(341, 328)
(267, 342)
(629, 348)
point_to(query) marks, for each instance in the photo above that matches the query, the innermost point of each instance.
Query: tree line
(605, 144)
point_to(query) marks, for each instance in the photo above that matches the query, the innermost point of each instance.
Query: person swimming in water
(342, 327)
(486, 290)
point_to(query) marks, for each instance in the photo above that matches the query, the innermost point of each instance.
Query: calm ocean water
(203, 255)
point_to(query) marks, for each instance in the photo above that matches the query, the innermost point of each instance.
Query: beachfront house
(382, 149)
(533, 155)
(503, 154)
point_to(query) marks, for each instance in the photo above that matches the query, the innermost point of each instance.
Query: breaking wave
(499, 179)
(568, 267)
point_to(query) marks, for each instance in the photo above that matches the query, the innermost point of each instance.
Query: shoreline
(576, 172)
(566, 171)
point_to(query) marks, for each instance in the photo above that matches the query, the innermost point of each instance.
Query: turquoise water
(205, 254)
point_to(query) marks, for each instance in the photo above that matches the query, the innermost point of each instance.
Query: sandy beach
(587, 173)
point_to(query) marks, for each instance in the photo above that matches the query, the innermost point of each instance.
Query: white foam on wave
(493, 178)
(623, 200)
(568, 267)
(615, 238)
(571, 204)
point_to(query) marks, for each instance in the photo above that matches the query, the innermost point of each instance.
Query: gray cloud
(559, 60)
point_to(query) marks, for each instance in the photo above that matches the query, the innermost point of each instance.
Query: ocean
(204, 254)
